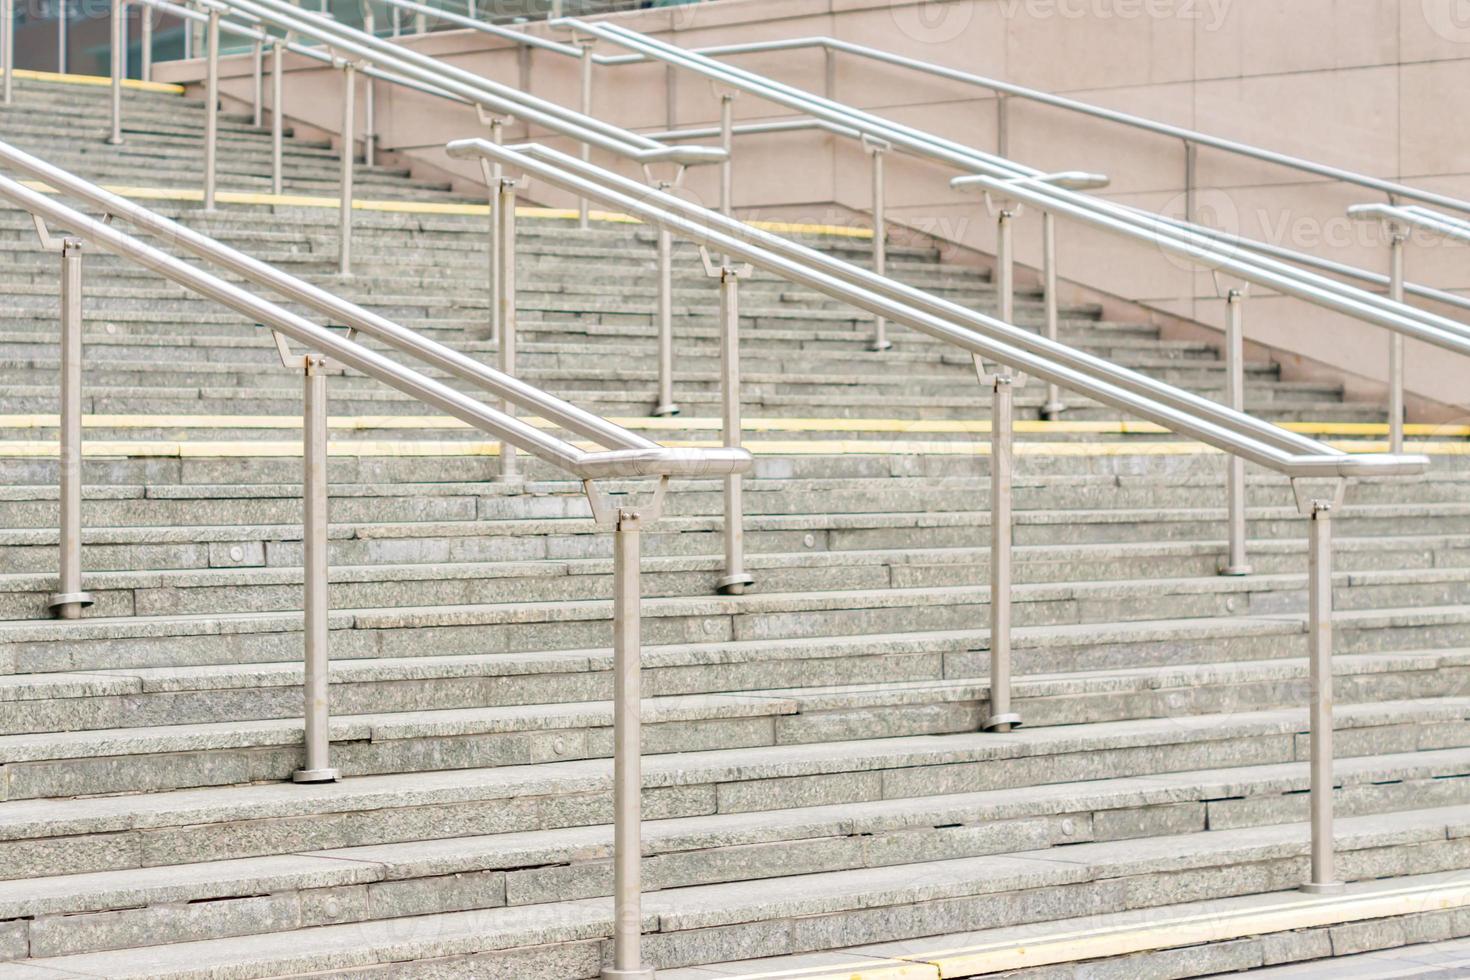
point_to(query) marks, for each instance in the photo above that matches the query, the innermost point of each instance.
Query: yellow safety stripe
(103, 80)
(104, 448)
(196, 196)
(694, 424)
(1293, 912)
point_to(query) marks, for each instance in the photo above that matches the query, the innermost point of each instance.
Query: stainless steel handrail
(1398, 222)
(1361, 304)
(1443, 225)
(996, 341)
(492, 96)
(1188, 136)
(1225, 429)
(631, 456)
(358, 50)
(497, 383)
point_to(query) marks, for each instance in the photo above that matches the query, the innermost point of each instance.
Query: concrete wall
(1378, 86)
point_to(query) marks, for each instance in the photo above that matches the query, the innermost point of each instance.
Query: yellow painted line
(193, 196)
(697, 424)
(1305, 913)
(1293, 913)
(142, 448)
(104, 81)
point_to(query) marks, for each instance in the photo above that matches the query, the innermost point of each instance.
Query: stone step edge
(710, 424)
(154, 884)
(1023, 743)
(457, 934)
(1117, 934)
(115, 682)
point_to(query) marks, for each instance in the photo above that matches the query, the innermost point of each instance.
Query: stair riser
(1224, 695)
(268, 835)
(491, 886)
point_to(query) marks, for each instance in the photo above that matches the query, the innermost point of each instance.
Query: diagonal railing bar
(633, 457)
(1318, 473)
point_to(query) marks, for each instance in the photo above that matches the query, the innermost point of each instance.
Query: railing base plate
(79, 599)
(1008, 721)
(316, 776)
(1324, 887)
(734, 584)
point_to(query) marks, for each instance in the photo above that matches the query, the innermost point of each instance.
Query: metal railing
(1398, 221)
(1001, 350)
(361, 52)
(626, 455)
(1006, 90)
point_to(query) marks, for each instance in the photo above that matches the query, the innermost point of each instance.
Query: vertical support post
(317, 659)
(880, 340)
(727, 141)
(1002, 124)
(349, 121)
(1319, 651)
(278, 117)
(1005, 267)
(1002, 452)
(1001, 719)
(397, 20)
(69, 599)
(829, 72)
(7, 51)
(735, 579)
(1054, 406)
(1236, 563)
(369, 112)
(145, 43)
(671, 98)
(119, 66)
(505, 211)
(1398, 234)
(211, 109)
(666, 405)
(493, 172)
(420, 24)
(257, 77)
(627, 754)
(583, 205)
(1191, 178)
(61, 15)
(523, 67)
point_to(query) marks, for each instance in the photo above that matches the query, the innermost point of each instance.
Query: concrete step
(83, 912)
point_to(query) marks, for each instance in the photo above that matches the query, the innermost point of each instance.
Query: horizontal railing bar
(466, 368)
(1324, 462)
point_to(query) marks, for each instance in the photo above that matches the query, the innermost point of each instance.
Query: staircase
(814, 778)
